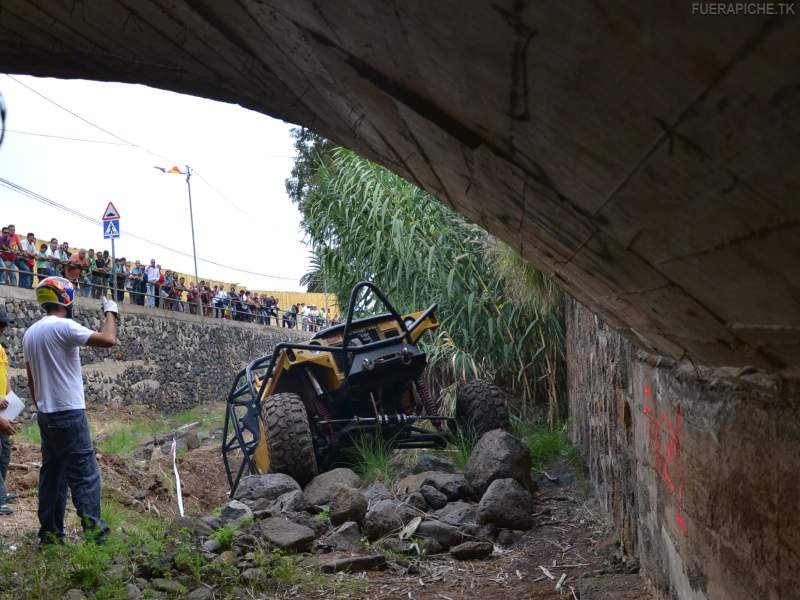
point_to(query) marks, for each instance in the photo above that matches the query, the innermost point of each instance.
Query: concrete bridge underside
(644, 156)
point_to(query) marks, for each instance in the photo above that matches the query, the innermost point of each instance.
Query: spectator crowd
(94, 274)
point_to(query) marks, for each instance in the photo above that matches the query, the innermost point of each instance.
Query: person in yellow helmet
(51, 347)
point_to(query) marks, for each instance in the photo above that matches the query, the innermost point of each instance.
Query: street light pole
(194, 249)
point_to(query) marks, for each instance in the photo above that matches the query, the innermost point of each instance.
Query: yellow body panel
(328, 373)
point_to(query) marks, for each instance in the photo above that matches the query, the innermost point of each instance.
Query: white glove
(109, 306)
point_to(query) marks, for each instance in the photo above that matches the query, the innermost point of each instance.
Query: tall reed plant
(501, 319)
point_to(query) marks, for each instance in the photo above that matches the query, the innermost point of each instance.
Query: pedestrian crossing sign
(111, 229)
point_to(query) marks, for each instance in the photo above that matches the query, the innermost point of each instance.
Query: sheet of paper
(15, 406)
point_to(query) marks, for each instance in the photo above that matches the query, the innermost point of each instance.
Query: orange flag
(172, 170)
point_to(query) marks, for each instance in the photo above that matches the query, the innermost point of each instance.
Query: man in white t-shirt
(53, 362)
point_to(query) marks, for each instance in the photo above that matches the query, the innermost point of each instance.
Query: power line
(52, 203)
(220, 194)
(87, 121)
(123, 142)
(62, 137)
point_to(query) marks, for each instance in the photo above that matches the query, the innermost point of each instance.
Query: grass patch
(370, 456)
(30, 433)
(283, 571)
(463, 441)
(122, 442)
(546, 447)
(122, 439)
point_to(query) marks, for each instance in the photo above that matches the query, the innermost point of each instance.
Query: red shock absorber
(322, 411)
(427, 402)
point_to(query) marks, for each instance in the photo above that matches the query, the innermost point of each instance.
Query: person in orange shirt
(78, 263)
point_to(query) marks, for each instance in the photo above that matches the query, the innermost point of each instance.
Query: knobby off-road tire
(291, 449)
(481, 407)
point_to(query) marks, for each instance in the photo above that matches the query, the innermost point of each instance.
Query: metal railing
(134, 290)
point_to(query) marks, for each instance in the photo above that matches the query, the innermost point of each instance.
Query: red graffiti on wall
(665, 436)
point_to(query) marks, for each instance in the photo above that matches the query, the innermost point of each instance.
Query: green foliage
(225, 535)
(127, 437)
(463, 441)
(284, 571)
(324, 516)
(501, 320)
(122, 442)
(312, 150)
(547, 447)
(370, 456)
(30, 434)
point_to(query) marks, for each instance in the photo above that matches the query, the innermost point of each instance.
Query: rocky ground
(496, 529)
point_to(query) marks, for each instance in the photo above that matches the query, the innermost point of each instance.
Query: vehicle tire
(289, 441)
(481, 407)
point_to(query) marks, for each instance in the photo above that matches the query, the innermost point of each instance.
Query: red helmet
(55, 290)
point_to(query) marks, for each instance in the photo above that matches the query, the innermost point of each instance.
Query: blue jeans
(25, 274)
(5, 459)
(10, 272)
(68, 461)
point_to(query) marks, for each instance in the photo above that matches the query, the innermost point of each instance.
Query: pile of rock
(350, 527)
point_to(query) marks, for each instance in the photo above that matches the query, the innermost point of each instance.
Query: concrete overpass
(644, 156)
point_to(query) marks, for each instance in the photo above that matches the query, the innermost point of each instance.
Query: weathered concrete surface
(643, 155)
(169, 360)
(698, 467)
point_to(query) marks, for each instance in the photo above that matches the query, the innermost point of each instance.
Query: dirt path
(569, 539)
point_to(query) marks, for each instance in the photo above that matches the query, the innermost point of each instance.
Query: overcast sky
(243, 154)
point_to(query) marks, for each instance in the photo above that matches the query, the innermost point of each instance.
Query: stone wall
(696, 467)
(170, 360)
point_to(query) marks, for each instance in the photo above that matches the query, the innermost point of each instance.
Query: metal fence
(134, 290)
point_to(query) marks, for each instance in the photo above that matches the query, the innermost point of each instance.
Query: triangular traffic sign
(111, 212)
(111, 230)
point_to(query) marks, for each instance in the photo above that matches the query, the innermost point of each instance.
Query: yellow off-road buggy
(295, 410)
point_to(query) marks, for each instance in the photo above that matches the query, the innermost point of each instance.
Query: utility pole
(194, 249)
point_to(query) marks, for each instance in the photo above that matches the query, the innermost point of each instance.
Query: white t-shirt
(152, 274)
(51, 349)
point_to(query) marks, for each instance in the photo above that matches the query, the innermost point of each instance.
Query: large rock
(318, 490)
(396, 545)
(452, 485)
(446, 535)
(386, 516)
(471, 550)
(269, 486)
(433, 497)
(498, 455)
(417, 501)
(431, 462)
(193, 525)
(457, 513)
(235, 513)
(377, 491)
(284, 533)
(346, 537)
(313, 522)
(370, 562)
(347, 504)
(293, 501)
(506, 504)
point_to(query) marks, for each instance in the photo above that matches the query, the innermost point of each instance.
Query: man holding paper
(52, 357)
(6, 425)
